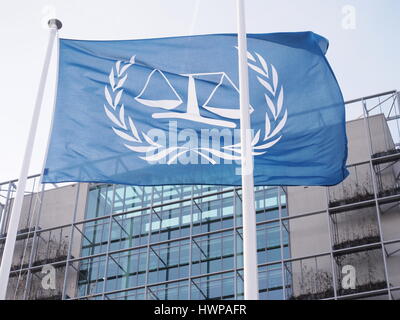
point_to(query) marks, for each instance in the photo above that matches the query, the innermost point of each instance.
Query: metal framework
(98, 253)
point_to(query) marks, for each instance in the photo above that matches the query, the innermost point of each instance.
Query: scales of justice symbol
(192, 109)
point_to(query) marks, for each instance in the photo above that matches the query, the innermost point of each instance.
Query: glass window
(148, 211)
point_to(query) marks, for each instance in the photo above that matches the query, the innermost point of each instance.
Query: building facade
(99, 241)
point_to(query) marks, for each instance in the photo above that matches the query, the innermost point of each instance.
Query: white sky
(365, 59)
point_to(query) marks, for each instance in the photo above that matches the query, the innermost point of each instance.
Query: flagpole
(9, 246)
(248, 210)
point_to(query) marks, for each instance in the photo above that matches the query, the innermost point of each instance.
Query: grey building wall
(311, 235)
(44, 215)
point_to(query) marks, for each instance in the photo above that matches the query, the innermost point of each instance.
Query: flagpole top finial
(55, 23)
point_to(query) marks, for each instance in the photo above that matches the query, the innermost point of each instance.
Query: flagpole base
(55, 23)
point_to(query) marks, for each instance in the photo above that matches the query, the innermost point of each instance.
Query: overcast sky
(364, 53)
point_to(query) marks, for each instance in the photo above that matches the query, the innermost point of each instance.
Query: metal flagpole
(9, 246)
(248, 210)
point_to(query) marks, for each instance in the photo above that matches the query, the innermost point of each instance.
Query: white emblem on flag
(141, 143)
(193, 109)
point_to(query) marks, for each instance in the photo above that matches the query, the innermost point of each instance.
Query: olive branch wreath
(124, 126)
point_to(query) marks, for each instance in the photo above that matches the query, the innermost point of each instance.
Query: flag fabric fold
(166, 111)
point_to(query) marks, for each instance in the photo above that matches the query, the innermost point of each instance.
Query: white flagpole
(248, 210)
(9, 246)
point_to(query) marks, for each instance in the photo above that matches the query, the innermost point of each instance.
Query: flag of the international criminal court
(166, 111)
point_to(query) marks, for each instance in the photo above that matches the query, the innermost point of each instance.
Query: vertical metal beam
(70, 242)
(287, 228)
(5, 209)
(34, 240)
(281, 243)
(235, 279)
(25, 241)
(398, 100)
(2, 211)
(376, 193)
(146, 288)
(190, 244)
(107, 255)
(332, 258)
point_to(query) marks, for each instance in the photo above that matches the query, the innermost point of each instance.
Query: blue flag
(166, 111)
